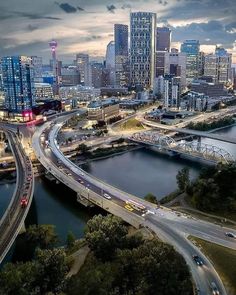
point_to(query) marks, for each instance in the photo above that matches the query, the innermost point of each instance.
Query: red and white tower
(53, 46)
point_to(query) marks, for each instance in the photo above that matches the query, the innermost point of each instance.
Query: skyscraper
(142, 48)
(18, 85)
(121, 54)
(82, 63)
(191, 48)
(175, 64)
(53, 46)
(218, 65)
(110, 62)
(37, 63)
(163, 39)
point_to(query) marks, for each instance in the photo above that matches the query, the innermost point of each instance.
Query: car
(214, 289)
(230, 235)
(69, 174)
(107, 196)
(128, 207)
(23, 202)
(81, 181)
(60, 167)
(198, 260)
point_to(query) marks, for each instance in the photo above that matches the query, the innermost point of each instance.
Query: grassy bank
(224, 260)
(131, 124)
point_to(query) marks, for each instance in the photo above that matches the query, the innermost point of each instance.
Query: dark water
(141, 171)
(6, 191)
(56, 204)
(137, 172)
(229, 132)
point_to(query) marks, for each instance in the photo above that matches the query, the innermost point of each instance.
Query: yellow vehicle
(136, 206)
(128, 207)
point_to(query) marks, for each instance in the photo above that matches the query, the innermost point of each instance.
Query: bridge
(13, 219)
(205, 134)
(165, 223)
(195, 149)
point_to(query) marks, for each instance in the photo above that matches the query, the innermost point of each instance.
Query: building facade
(175, 64)
(110, 62)
(82, 63)
(37, 63)
(18, 83)
(103, 110)
(43, 91)
(169, 90)
(191, 48)
(163, 39)
(121, 55)
(218, 66)
(142, 49)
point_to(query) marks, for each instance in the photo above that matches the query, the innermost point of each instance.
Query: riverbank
(105, 153)
(213, 125)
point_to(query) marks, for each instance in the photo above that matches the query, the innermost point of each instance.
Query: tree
(104, 235)
(17, 278)
(150, 268)
(52, 270)
(83, 148)
(42, 236)
(182, 178)
(151, 198)
(70, 241)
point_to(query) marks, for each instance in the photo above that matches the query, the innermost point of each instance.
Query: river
(138, 172)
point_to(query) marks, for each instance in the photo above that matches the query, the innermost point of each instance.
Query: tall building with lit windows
(18, 84)
(191, 48)
(218, 65)
(121, 54)
(82, 63)
(142, 49)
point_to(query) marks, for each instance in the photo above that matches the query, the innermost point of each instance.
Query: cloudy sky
(26, 26)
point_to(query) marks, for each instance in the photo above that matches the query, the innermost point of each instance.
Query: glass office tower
(18, 83)
(192, 49)
(142, 49)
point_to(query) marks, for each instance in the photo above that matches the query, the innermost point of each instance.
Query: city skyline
(88, 28)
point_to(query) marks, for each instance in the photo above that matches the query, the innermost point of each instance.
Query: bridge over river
(194, 149)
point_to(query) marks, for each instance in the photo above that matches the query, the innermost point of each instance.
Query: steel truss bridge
(195, 149)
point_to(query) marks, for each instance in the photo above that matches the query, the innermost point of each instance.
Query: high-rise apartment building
(160, 63)
(110, 62)
(18, 84)
(37, 63)
(121, 55)
(96, 74)
(218, 66)
(163, 39)
(191, 48)
(82, 63)
(175, 64)
(169, 89)
(142, 49)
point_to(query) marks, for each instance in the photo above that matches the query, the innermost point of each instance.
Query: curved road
(13, 220)
(166, 223)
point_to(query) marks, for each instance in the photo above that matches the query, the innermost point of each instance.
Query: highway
(13, 219)
(168, 224)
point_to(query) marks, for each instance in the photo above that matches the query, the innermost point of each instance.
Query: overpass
(205, 134)
(13, 219)
(165, 223)
(194, 150)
